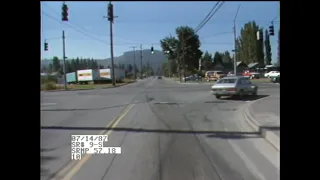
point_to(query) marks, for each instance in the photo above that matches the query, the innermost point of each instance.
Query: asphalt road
(169, 131)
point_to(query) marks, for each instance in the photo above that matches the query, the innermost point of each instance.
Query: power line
(207, 15)
(219, 6)
(85, 30)
(53, 18)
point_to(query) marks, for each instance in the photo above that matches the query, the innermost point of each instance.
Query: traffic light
(271, 30)
(64, 12)
(46, 46)
(110, 12)
(152, 52)
(259, 35)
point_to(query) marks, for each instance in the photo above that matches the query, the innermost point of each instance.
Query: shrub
(50, 86)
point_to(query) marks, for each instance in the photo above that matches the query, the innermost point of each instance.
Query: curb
(178, 82)
(59, 90)
(269, 136)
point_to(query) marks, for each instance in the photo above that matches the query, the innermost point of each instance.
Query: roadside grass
(261, 80)
(54, 86)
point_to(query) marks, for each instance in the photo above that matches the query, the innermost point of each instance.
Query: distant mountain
(155, 60)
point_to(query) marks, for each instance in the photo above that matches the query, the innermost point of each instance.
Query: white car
(272, 74)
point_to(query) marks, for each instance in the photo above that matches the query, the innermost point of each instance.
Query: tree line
(76, 64)
(183, 50)
(72, 65)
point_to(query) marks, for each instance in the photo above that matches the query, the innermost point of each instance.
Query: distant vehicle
(234, 86)
(231, 73)
(252, 75)
(272, 74)
(194, 77)
(159, 77)
(215, 75)
(275, 79)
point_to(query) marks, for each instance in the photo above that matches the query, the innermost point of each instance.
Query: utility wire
(207, 15)
(53, 18)
(216, 10)
(206, 18)
(88, 32)
(217, 34)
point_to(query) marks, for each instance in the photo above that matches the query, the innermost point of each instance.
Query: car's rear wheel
(218, 97)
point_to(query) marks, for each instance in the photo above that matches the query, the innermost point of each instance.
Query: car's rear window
(226, 81)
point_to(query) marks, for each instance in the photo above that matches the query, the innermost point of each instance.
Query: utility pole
(111, 20)
(148, 67)
(64, 60)
(183, 58)
(134, 61)
(141, 61)
(236, 49)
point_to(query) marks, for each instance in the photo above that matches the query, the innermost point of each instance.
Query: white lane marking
(250, 165)
(48, 104)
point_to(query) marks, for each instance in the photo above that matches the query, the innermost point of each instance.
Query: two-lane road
(167, 131)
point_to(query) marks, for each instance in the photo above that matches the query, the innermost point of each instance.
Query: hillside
(155, 60)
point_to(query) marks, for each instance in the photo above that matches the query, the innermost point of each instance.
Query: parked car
(215, 75)
(193, 77)
(252, 75)
(272, 74)
(275, 79)
(234, 86)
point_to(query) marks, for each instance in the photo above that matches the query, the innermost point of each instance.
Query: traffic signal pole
(64, 60)
(236, 49)
(111, 19)
(141, 61)
(64, 18)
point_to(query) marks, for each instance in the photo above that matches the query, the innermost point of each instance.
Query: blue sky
(87, 32)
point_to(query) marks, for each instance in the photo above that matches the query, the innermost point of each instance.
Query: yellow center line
(76, 165)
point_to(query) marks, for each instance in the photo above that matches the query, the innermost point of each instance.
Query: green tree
(81, 64)
(189, 47)
(73, 65)
(169, 46)
(68, 66)
(217, 58)
(77, 64)
(50, 68)
(206, 61)
(249, 49)
(267, 46)
(56, 64)
(226, 58)
(95, 64)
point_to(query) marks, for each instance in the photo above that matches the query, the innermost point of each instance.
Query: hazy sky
(87, 32)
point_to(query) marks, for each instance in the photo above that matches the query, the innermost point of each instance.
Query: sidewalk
(264, 116)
